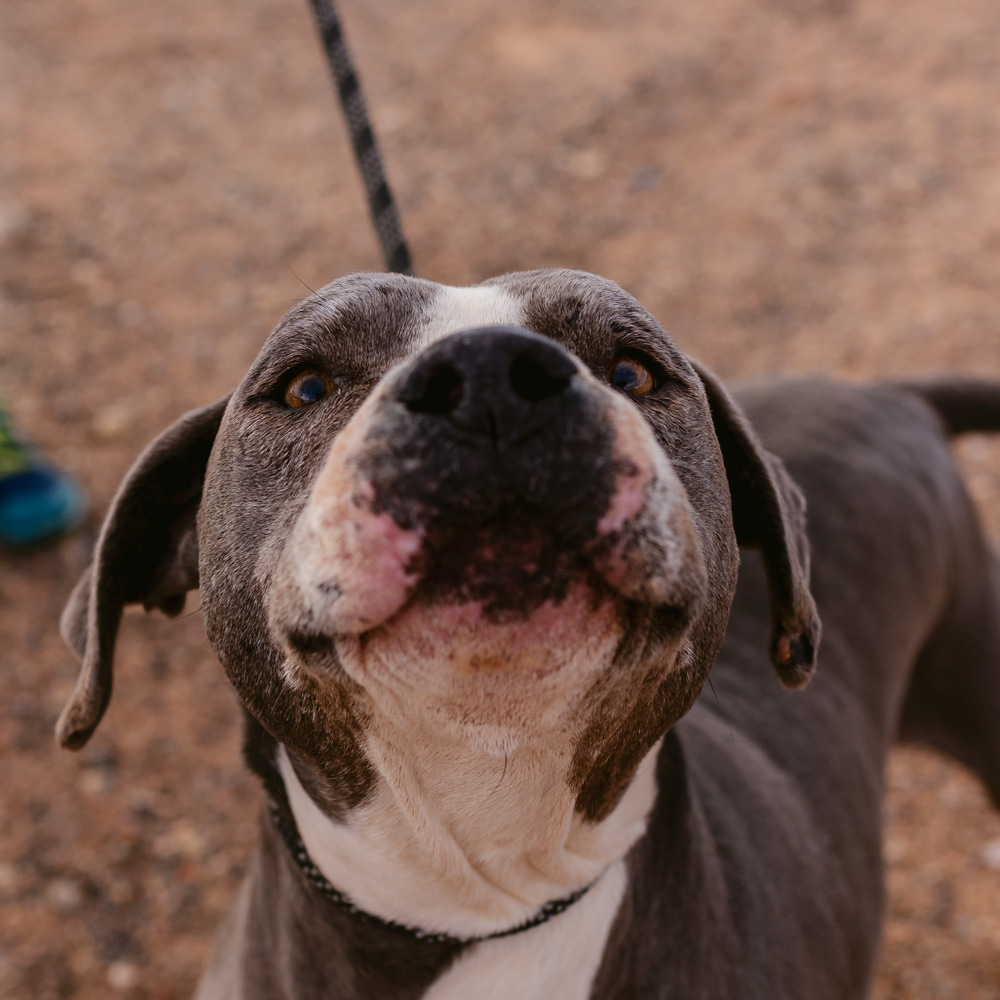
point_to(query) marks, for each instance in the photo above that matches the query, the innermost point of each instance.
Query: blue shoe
(36, 505)
(37, 502)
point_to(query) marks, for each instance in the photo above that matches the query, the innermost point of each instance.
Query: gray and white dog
(468, 556)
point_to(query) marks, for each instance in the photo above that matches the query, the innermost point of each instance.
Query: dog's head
(507, 513)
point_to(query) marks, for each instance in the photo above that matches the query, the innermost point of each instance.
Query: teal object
(36, 505)
(37, 502)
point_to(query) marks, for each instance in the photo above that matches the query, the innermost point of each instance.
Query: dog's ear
(147, 552)
(769, 514)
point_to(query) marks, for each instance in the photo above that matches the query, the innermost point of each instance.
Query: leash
(381, 204)
(319, 881)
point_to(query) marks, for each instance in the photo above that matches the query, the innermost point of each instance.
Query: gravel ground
(789, 185)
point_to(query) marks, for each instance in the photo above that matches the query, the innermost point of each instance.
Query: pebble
(122, 975)
(896, 850)
(94, 782)
(990, 854)
(64, 893)
(8, 878)
(182, 839)
(111, 422)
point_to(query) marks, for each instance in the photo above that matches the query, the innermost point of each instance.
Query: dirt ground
(789, 185)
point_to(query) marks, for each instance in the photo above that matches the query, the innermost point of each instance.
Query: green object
(37, 501)
(13, 456)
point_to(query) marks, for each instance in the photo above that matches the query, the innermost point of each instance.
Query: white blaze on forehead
(455, 309)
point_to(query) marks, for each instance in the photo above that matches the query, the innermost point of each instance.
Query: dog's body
(469, 593)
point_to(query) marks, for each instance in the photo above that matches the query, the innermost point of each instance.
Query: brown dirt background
(789, 185)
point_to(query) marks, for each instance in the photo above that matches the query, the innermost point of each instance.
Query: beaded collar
(319, 881)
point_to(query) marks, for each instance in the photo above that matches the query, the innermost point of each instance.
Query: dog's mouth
(510, 556)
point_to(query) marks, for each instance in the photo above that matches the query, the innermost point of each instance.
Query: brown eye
(631, 376)
(307, 387)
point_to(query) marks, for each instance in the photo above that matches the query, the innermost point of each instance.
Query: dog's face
(506, 514)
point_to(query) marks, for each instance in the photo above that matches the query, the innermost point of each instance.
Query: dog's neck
(461, 841)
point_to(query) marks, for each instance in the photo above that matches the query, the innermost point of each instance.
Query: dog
(469, 557)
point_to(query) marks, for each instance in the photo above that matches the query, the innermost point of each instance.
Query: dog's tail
(965, 405)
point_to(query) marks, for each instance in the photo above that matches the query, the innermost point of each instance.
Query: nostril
(441, 392)
(532, 381)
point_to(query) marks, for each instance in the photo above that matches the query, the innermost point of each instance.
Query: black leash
(385, 217)
(319, 881)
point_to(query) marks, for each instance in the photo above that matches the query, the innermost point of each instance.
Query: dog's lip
(477, 564)
(458, 639)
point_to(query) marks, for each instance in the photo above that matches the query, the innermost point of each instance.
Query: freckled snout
(492, 469)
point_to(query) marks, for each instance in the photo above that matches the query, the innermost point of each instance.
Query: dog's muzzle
(492, 468)
(495, 449)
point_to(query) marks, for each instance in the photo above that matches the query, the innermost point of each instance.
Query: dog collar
(290, 835)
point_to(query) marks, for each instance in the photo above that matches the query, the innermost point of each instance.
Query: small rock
(181, 840)
(896, 850)
(122, 975)
(112, 421)
(587, 164)
(990, 854)
(8, 878)
(94, 782)
(220, 865)
(64, 893)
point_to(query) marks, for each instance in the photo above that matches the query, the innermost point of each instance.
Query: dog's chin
(457, 666)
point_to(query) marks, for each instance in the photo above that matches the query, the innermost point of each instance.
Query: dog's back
(780, 794)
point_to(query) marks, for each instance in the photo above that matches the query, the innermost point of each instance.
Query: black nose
(500, 382)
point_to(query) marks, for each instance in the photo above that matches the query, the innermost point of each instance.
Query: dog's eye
(307, 387)
(631, 376)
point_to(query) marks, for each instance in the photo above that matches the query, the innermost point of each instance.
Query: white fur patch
(467, 850)
(455, 309)
(554, 961)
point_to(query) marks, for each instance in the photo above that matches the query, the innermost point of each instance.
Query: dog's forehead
(366, 323)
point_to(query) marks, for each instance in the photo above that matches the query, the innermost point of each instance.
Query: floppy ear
(769, 513)
(147, 551)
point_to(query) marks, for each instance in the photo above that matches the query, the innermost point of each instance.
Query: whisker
(503, 774)
(732, 735)
(311, 289)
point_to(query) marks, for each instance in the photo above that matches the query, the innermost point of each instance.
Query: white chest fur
(555, 961)
(406, 857)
